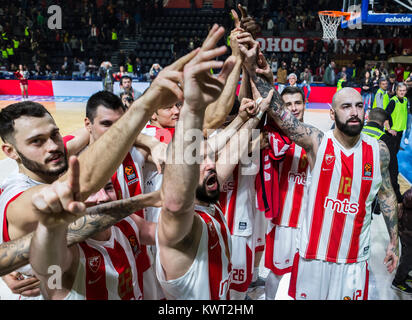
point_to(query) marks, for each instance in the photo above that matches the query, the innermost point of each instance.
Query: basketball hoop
(330, 21)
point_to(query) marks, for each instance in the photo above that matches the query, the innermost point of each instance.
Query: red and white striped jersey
(110, 270)
(238, 201)
(293, 175)
(336, 226)
(209, 276)
(153, 179)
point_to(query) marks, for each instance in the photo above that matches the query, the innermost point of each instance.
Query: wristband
(260, 115)
(258, 101)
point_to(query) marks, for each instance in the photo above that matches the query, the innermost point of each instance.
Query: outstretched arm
(388, 205)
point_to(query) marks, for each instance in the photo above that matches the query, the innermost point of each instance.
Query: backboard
(377, 12)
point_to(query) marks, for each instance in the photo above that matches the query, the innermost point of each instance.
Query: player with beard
(348, 169)
(28, 129)
(193, 242)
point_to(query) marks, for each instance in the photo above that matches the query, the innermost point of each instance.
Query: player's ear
(10, 151)
(88, 125)
(332, 114)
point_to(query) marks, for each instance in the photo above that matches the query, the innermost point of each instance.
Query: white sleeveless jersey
(10, 189)
(238, 201)
(293, 181)
(110, 270)
(336, 226)
(208, 278)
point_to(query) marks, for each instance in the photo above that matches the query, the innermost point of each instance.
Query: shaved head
(344, 93)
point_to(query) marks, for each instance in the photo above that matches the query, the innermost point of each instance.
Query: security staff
(341, 82)
(374, 128)
(381, 97)
(397, 110)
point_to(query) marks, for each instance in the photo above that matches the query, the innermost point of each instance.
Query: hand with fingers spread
(200, 87)
(167, 88)
(58, 203)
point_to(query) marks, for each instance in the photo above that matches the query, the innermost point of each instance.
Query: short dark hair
(125, 77)
(293, 90)
(378, 115)
(103, 98)
(16, 110)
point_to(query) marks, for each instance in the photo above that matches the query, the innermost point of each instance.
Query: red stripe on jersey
(284, 181)
(338, 220)
(270, 249)
(231, 211)
(6, 236)
(142, 260)
(132, 179)
(366, 289)
(298, 191)
(117, 187)
(367, 177)
(214, 257)
(95, 273)
(121, 264)
(325, 178)
(294, 276)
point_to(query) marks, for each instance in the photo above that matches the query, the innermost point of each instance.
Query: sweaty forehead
(346, 95)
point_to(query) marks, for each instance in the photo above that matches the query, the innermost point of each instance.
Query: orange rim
(346, 15)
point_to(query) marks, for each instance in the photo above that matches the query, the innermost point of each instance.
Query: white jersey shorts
(322, 280)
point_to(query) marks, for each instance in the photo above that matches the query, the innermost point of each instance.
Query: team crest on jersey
(329, 158)
(130, 175)
(347, 298)
(135, 245)
(94, 263)
(303, 162)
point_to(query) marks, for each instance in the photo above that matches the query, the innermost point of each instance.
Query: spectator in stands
(106, 72)
(94, 33)
(366, 90)
(80, 67)
(306, 80)
(75, 45)
(48, 71)
(399, 72)
(138, 69)
(282, 76)
(91, 70)
(66, 68)
(154, 71)
(392, 85)
(117, 76)
(126, 85)
(376, 77)
(329, 77)
(127, 99)
(274, 64)
(320, 72)
(66, 43)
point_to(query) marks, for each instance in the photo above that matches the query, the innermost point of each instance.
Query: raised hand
(248, 108)
(200, 87)
(58, 203)
(250, 49)
(167, 88)
(263, 68)
(247, 22)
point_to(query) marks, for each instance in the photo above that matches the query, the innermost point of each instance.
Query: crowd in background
(93, 29)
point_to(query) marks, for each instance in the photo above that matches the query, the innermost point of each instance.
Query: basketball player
(282, 230)
(347, 170)
(193, 242)
(104, 267)
(32, 139)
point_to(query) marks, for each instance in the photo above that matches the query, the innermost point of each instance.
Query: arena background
(138, 34)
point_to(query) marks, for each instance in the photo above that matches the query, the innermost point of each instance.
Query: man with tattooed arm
(347, 170)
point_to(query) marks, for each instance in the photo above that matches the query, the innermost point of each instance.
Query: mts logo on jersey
(298, 178)
(341, 206)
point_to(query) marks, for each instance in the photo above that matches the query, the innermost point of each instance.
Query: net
(330, 21)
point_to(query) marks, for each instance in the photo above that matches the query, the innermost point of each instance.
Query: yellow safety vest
(114, 36)
(10, 51)
(26, 31)
(400, 114)
(339, 85)
(4, 54)
(16, 44)
(385, 98)
(129, 67)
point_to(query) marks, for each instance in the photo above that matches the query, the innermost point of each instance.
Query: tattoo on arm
(301, 133)
(386, 196)
(15, 254)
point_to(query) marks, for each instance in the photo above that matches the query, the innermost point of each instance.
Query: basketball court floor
(69, 113)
